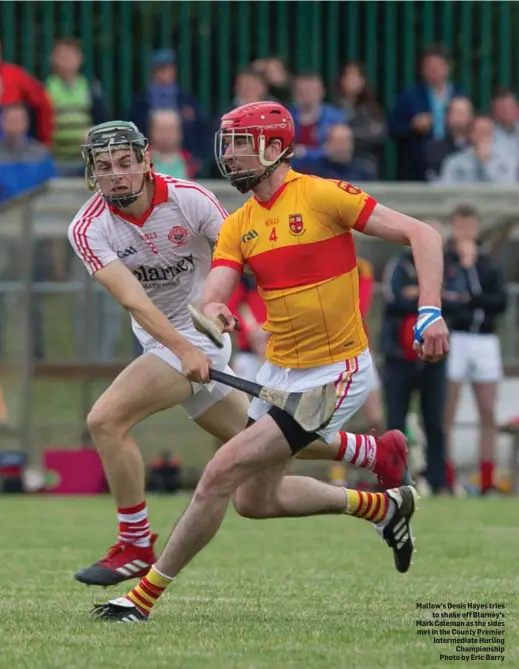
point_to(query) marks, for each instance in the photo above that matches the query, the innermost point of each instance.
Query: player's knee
(252, 506)
(103, 422)
(218, 477)
(487, 417)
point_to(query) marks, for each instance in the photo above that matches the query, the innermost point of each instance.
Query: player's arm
(120, 282)
(100, 259)
(425, 242)
(225, 274)
(426, 245)
(353, 209)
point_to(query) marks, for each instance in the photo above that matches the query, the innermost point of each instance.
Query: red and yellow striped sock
(145, 595)
(372, 506)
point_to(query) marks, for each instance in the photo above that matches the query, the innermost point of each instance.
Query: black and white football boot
(119, 610)
(397, 531)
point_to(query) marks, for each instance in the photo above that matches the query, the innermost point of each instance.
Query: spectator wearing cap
(18, 86)
(164, 92)
(419, 113)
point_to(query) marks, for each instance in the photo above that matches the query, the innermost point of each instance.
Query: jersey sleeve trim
(79, 235)
(225, 262)
(365, 213)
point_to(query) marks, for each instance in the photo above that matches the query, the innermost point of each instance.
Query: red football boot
(123, 562)
(390, 465)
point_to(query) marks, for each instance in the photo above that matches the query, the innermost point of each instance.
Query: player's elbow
(129, 300)
(423, 234)
(129, 303)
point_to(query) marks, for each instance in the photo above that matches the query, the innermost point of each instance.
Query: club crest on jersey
(352, 190)
(296, 225)
(178, 235)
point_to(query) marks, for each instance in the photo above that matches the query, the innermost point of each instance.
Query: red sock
(343, 446)
(486, 469)
(450, 474)
(134, 526)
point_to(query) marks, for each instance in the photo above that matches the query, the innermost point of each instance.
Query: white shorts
(204, 396)
(376, 378)
(474, 357)
(353, 380)
(247, 365)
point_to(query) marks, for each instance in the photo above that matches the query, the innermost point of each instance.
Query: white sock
(361, 450)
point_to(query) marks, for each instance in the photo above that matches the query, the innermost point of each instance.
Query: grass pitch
(306, 593)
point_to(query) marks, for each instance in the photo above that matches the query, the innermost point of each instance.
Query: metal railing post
(27, 367)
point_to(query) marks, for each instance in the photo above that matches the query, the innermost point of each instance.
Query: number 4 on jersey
(273, 237)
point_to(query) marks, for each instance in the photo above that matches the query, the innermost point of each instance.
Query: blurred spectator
(312, 117)
(251, 341)
(363, 114)
(164, 92)
(505, 113)
(475, 354)
(24, 162)
(277, 77)
(419, 113)
(373, 410)
(403, 372)
(485, 161)
(165, 135)
(16, 87)
(78, 103)
(338, 161)
(249, 86)
(460, 115)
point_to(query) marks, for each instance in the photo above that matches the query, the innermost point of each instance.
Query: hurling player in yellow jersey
(295, 234)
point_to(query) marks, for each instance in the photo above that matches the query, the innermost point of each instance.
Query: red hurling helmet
(254, 126)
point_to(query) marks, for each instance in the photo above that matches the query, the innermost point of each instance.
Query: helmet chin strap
(250, 179)
(245, 181)
(125, 200)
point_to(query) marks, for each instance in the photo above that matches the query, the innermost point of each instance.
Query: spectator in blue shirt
(339, 161)
(419, 114)
(312, 117)
(164, 92)
(24, 162)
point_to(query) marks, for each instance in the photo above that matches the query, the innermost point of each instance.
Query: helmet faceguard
(108, 138)
(253, 126)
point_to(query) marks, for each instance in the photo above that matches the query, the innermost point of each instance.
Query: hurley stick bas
(312, 409)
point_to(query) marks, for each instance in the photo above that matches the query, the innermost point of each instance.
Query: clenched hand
(435, 342)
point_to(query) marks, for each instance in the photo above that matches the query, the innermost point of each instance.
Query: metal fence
(216, 39)
(63, 338)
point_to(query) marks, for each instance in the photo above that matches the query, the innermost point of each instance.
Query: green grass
(306, 593)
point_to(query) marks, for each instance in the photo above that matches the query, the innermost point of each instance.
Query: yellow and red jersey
(366, 287)
(300, 248)
(246, 295)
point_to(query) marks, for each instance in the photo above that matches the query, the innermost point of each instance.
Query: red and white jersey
(167, 248)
